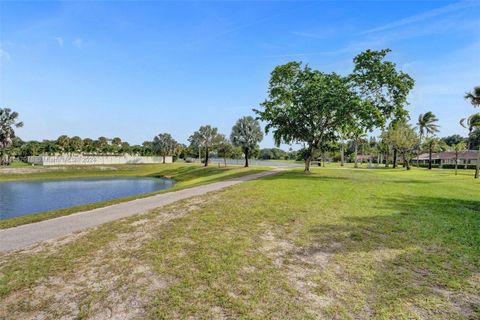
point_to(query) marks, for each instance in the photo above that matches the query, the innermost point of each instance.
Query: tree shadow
(423, 249)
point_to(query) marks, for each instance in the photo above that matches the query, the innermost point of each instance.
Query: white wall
(94, 160)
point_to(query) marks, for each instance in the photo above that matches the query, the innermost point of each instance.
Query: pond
(19, 198)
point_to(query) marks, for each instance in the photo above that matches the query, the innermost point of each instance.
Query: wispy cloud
(59, 41)
(424, 16)
(4, 55)
(78, 42)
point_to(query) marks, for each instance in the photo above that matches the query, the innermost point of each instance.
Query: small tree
(207, 137)
(225, 150)
(164, 145)
(246, 134)
(404, 139)
(460, 146)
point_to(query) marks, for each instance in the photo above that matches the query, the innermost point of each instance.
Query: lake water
(18, 198)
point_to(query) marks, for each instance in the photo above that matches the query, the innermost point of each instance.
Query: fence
(94, 160)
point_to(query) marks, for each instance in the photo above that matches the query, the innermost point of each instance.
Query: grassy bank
(335, 244)
(185, 175)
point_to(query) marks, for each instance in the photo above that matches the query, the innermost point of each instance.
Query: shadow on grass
(424, 249)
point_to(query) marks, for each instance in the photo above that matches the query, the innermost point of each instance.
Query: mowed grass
(334, 244)
(185, 175)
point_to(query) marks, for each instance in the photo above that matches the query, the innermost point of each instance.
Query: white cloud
(4, 55)
(59, 41)
(78, 42)
(423, 16)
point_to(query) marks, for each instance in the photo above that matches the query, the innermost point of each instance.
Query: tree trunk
(356, 155)
(406, 162)
(430, 158)
(323, 159)
(246, 158)
(394, 158)
(206, 157)
(477, 168)
(308, 159)
(164, 159)
(387, 155)
(342, 154)
(225, 161)
(456, 162)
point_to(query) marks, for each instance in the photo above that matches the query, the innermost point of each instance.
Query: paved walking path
(26, 235)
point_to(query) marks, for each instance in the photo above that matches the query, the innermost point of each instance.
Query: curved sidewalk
(29, 234)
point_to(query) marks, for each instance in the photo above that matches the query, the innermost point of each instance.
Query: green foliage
(246, 134)
(474, 96)
(427, 124)
(403, 138)
(453, 139)
(207, 138)
(8, 123)
(312, 107)
(382, 88)
(164, 145)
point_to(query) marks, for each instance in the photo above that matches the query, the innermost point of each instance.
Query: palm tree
(457, 148)
(471, 123)
(246, 134)
(426, 124)
(432, 144)
(164, 145)
(8, 123)
(474, 96)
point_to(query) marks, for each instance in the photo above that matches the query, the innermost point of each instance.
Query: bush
(447, 166)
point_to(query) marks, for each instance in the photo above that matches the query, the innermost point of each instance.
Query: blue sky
(135, 69)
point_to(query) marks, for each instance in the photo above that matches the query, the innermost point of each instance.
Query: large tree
(206, 137)
(307, 106)
(164, 145)
(312, 107)
(246, 134)
(8, 123)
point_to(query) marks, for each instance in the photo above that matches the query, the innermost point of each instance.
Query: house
(448, 157)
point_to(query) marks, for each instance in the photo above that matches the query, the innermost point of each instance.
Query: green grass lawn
(185, 175)
(334, 244)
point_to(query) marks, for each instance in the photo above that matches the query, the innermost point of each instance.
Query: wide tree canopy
(311, 107)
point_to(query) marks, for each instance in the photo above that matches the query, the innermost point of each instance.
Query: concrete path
(26, 235)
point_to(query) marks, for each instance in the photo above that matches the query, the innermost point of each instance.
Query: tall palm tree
(433, 144)
(457, 148)
(474, 96)
(471, 123)
(426, 124)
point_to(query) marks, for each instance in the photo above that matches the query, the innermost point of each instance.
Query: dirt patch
(300, 264)
(114, 282)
